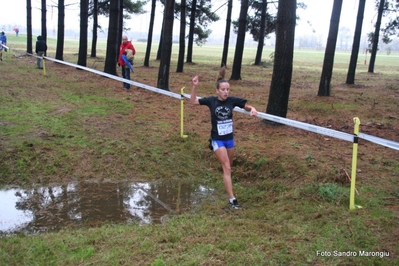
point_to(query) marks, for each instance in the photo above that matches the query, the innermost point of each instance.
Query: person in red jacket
(126, 44)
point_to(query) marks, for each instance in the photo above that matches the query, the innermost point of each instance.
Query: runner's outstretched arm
(193, 97)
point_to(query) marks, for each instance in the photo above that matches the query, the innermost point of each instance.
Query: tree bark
(84, 16)
(29, 49)
(182, 37)
(191, 32)
(376, 36)
(95, 27)
(44, 21)
(150, 31)
(350, 78)
(164, 66)
(242, 28)
(284, 54)
(161, 37)
(120, 26)
(227, 34)
(112, 45)
(261, 42)
(59, 54)
(326, 74)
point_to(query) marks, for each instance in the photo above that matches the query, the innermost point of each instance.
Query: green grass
(71, 125)
(204, 237)
(303, 58)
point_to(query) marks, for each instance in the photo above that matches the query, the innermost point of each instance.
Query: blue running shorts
(228, 144)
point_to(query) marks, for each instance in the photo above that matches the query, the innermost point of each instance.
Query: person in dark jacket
(3, 41)
(41, 49)
(1, 51)
(3, 38)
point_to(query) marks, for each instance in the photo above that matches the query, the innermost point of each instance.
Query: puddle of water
(44, 209)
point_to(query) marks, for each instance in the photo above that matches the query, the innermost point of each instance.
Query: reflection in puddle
(91, 204)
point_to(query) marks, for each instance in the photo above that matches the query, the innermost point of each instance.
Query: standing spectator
(125, 45)
(16, 29)
(41, 49)
(3, 39)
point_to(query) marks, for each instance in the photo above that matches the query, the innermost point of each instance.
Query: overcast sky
(318, 14)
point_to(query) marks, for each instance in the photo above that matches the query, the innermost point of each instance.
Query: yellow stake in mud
(352, 205)
(44, 66)
(182, 113)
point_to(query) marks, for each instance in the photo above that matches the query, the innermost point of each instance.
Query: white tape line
(383, 142)
(277, 119)
(137, 84)
(309, 127)
(301, 125)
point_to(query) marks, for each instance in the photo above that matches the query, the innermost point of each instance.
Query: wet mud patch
(91, 204)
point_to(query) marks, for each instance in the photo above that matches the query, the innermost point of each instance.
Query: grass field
(73, 125)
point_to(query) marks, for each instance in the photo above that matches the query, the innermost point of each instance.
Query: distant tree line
(258, 17)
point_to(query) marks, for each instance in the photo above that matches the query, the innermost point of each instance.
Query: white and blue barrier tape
(137, 84)
(301, 125)
(380, 141)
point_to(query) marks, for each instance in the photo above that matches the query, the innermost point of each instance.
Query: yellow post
(178, 197)
(352, 205)
(182, 113)
(44, 65)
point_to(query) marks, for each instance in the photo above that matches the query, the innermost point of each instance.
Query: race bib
(225, 128)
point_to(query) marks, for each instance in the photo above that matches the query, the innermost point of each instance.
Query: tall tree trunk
(120, 27)
(164, 66)
(150, 31)
(326, 74)
(191, 32)
(161, 36)
(376, 36)
(227, 34)
(95, 27)
(160, 41)
(84, 16)
(29, 49)
(350, 78)
(261, 42)
(44, 21)
(242, 28)
(283, 57)
(182, 37)
(112, 45)
(59, 54)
